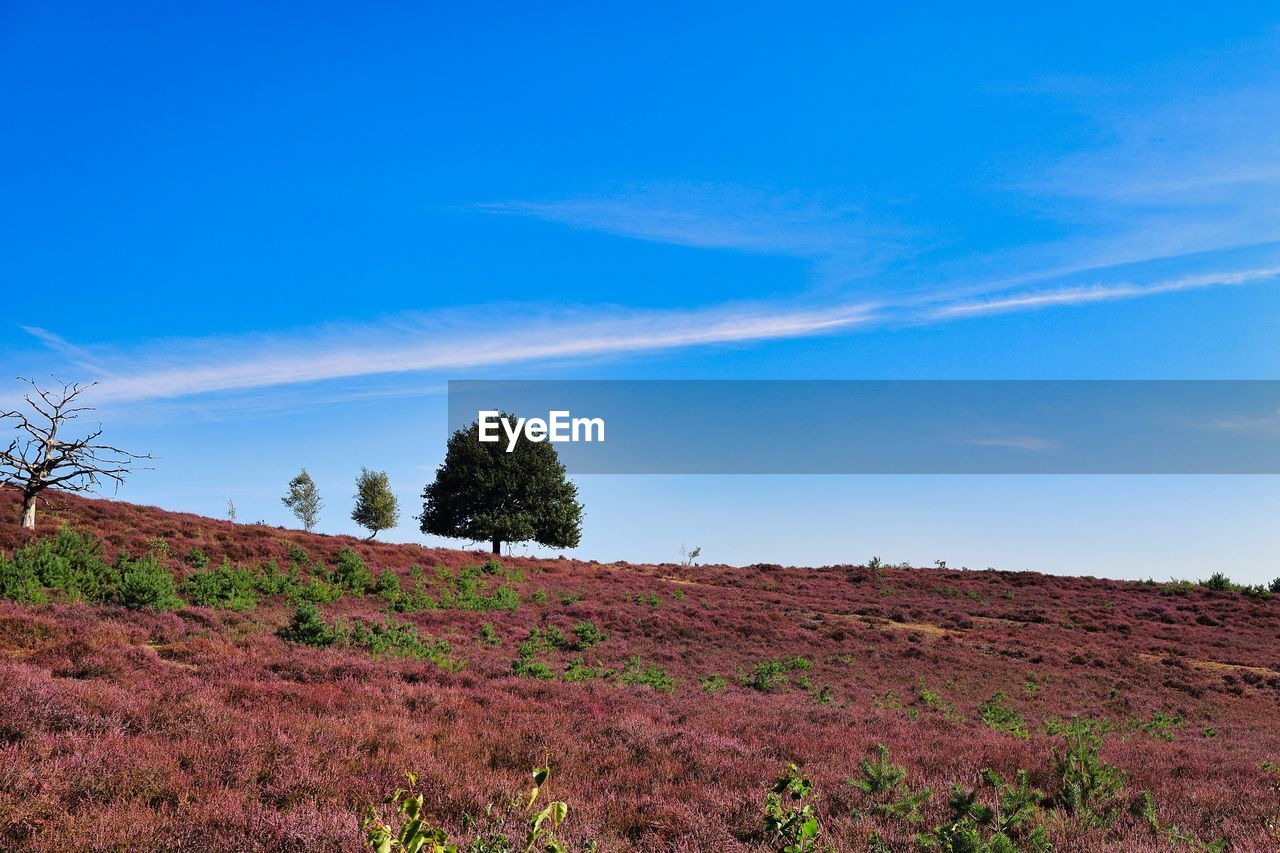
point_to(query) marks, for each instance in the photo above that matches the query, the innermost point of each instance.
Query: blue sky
(274, 235)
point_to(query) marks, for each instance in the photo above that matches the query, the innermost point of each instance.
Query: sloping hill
(666, 719)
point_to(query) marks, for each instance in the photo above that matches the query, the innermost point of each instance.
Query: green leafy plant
(67, 566)
(578, 670)
(789, 819)
(415, 834)
(1161, 726)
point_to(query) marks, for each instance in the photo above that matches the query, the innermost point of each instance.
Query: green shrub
(469, 590)
(416, 835)
(532, 668)
(297, 556)
(1011, 826)
(1217, 581)
(634, 673)
(1001, 717)
(713, 683)
(225, 586)
(489, 635)
(1091, 789)
(351, 573)
(578, 670)
(18, 582)
(589, 634)
(1161, 726)
(884, 785)
(546, 639)
(67, 566)
(196, 558)
(398, 640)
(318, 591)
(272, 581)
(1145, 808)
(771, 675)
(387, 585)
(539, 641)
(144, 582)
(308, 628)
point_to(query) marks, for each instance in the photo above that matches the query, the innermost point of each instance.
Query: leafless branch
(41, 460)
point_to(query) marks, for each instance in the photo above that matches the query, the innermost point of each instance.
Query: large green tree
(376, 505)
(485, 494)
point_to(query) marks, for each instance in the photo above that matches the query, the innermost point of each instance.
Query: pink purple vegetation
(201, 728)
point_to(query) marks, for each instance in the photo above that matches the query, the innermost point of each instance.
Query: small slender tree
(485, 494)
(304, 500)
(231, 511)
(376, 506)
(42, 458)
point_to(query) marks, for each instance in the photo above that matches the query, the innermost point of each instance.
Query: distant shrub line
(70, 567)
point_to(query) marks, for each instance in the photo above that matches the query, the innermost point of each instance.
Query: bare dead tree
(39, 459)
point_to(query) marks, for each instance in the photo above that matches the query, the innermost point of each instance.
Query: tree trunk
(497, 546)
(29, 512)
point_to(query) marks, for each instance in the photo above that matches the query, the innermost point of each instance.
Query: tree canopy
(376, 505)
(484, 493)
(304, 500)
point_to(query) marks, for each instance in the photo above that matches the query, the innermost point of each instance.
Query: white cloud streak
(1097, 293)
(184, 368)
(438, 343)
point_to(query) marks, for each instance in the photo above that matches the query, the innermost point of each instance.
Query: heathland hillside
(172, 681)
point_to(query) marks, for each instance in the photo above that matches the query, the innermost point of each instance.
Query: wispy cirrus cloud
(1086, 294)
(521, 335)
(842, 239)
(432, 343)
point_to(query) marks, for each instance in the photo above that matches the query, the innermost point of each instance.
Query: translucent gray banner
(886, 427)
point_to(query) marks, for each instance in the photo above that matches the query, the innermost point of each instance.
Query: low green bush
(145, 582)
(308, 628)
(225, 586)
